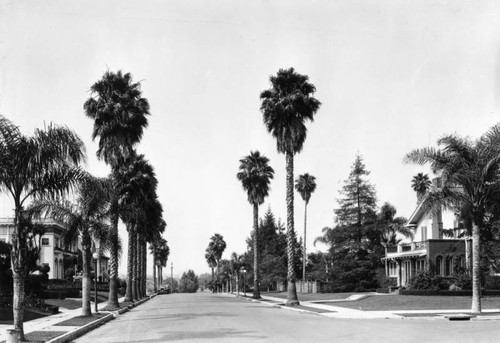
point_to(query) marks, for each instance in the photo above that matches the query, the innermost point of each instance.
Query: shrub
(425, 280)
(462, 281)
(491, 282)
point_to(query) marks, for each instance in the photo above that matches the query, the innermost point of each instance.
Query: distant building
(53, 252)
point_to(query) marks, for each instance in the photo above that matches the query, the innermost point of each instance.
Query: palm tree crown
(119, 113)
(286, 106)
(305, 184)
(255, 175)
(421, 184)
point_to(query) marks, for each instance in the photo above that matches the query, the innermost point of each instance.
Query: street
(204, 317)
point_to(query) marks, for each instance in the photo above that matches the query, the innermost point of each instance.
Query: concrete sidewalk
(48, 323)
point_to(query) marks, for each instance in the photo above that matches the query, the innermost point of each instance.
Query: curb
(68, 336)
(82, 330)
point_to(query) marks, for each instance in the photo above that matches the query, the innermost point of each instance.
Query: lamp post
(172, 277)
(244, 281)
(95, 256)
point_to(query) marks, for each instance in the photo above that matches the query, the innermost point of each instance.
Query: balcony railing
(406, 247)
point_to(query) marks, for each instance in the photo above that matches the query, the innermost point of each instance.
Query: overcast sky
(391, 75)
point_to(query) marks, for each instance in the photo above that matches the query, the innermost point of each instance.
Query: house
(53, 252)
(429, 249)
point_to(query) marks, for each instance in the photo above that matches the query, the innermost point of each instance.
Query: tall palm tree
(154, 247)
(286, 106)
(217, 246)
(163, 251)
(87, 218)
(420, 184)
(42, 165)
(136, 192)
(120, 114)
(255, 175)
(212, 262)
(236, 265)
(305, 184)
(470, 184)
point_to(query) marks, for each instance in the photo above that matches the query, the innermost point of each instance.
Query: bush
(491, 282)
(425, 280)
(463, 281)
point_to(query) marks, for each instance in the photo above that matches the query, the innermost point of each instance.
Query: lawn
(310, 296)
(414, 302)
(6, 315)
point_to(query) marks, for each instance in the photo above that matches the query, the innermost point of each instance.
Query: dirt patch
(80, 321)
(42, 336)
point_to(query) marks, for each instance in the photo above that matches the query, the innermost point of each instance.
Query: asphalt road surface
(204, 317)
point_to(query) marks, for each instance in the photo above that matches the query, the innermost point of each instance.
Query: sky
(392, 76)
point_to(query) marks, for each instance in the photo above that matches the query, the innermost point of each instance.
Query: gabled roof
(416, 215)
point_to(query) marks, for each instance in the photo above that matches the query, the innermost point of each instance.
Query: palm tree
(305, 184)
(154, 247)
(120, 115)
(470, 184)
(255, 175)
(236, 265)
(162, 251)
(217, 246)
(420, 184)
(87, 218)
(136, 192)
(42, 165)
(286, 106)
(392, 226)
(212, 262)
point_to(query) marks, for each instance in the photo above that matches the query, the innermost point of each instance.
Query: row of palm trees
(213, 255)
(286, 106)
(45, 169)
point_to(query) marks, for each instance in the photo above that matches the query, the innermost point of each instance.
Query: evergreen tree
(189, 282)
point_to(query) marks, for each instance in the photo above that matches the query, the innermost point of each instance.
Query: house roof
(416, 215)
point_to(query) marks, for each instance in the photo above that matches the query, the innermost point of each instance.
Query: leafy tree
(470, 185)
(305, 184)
(255, 175)
(286, 107)
(120, 115)
(392, 227)
(43, 165)
(355, 242)
(188, 282)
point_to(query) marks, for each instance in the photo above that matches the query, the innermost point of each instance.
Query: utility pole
(172, 276)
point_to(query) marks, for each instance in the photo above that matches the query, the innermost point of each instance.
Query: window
(57, 243)
(393, 269)
(439, 265)
(448, 266)
(420, 265)
(423, 233)
(45, 242)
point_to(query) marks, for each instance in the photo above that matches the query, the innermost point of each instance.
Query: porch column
(399, 276)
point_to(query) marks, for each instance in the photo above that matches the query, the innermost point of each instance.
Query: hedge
(447, 293)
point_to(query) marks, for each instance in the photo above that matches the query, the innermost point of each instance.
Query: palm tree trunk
(113, 266)
(144, 267)
(304, 259)
(476, 273)
(134, 267)
(292, 299)
(130, 263)
(18, 254)
(155, 287)
(86, 282)
(256, 290)
(139, 267)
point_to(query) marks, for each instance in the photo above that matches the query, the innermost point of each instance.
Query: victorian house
(430, 249)
(53, 252)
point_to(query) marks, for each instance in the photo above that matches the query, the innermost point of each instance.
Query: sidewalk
(49, 323)
(327, 308)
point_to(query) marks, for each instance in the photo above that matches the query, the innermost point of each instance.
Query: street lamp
(172, 277)
(244, 281)
(95, 256)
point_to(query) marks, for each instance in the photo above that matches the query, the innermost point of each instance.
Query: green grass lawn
(6, 315)
(414, 302)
